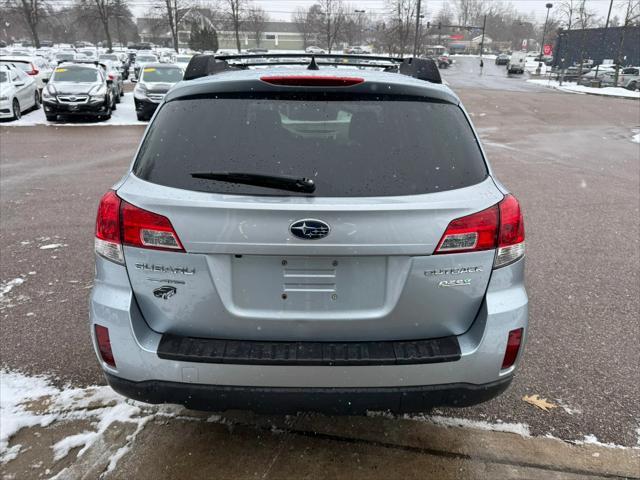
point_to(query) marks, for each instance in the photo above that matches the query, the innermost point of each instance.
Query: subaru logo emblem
(72, 99)
(310, 229)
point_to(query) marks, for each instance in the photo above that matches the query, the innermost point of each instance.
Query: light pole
(418, 17)
(544, 32)
(360, 13)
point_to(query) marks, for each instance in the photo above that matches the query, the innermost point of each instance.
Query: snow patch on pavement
(51, 246)
(521, 429)
(29, 401)
(636, 138)
(575, 88)
(8, 286)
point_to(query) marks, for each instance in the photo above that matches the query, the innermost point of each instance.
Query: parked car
(257, 256)
(78, 89)
(502, 59)
(155, 81)
(517, 62)
(18, 92)
(142, 58)
(182, 61)
(444, 61)
(313, 49)
(36, 67)
(629, 78)
(114, 73)
(61, 57)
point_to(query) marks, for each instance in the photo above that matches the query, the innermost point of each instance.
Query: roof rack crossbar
(204, 65)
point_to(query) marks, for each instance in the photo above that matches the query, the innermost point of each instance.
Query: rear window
(349, 146)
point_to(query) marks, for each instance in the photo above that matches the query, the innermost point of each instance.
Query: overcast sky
(282, 9)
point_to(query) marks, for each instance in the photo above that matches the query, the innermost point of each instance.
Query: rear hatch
(390, 173)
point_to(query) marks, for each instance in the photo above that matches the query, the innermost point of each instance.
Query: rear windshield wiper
(305, 185)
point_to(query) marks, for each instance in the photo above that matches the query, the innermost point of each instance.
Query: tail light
(511, 238)
(312, 80)
(498, 227)
(119, 223)
(513, 347)
(104, 345)
(33, 71)
(111, 77)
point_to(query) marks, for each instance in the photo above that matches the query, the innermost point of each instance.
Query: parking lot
(569, 158)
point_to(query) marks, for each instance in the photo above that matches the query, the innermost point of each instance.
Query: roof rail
(203, 65)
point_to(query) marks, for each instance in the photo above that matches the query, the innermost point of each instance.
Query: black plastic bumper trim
(342, 401)
(245, 352)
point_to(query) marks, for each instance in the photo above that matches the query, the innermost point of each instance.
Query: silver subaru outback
(309, 238)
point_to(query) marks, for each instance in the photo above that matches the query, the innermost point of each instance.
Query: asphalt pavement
(568, 158)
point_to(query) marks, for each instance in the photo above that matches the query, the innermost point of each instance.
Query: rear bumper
(141, 372)
(337, 401)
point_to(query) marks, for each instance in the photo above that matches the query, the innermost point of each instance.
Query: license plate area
(308, 284)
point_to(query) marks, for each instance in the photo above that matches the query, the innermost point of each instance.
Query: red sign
(457, 36)
(547, 50)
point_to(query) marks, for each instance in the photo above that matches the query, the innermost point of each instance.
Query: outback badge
(165, 292)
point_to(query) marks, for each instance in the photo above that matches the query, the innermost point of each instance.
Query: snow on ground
(125, 114)
(636, 138)
(575, 88)
(30, 401)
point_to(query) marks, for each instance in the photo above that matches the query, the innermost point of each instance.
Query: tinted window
(3, 77)
(360, 147)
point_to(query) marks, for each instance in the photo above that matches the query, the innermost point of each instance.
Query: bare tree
(631, 16)
(104, 9)
(256, 22)
(31, 10)
(301, 19)
(469, 11)
(332, 18)
(402, 15)
(235, 15)
(175, 11)
(585, 18)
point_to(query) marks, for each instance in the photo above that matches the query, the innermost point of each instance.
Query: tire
(51, 118)
(15, 106)
(142, 117)
(38, 101)
(633, 86)
(118, 96)
(107, 115)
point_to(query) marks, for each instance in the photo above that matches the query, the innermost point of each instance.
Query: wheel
(51, 117)
(633, 86)
(17, 113)
(118, 96)
(107, 115)
(142, 117)
(113, 103)
(36, 103)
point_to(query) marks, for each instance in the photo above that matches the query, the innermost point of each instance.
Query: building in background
(598, 44)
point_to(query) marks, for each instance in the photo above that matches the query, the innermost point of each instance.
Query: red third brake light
(312, 80)
(33, 71)
(513, 347)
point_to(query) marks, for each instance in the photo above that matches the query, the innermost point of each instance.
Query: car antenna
(313, 65)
